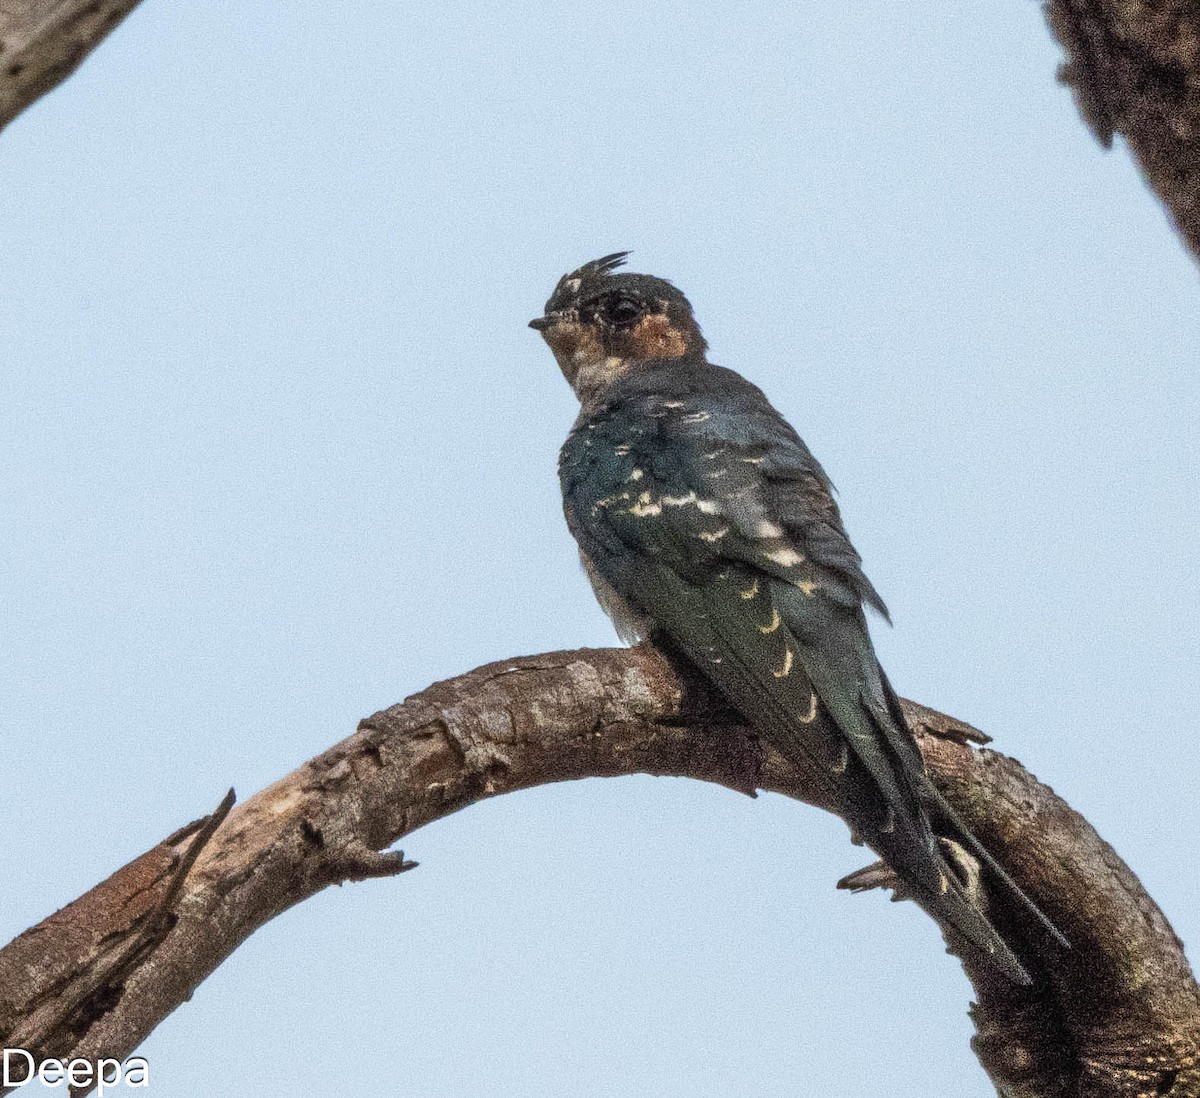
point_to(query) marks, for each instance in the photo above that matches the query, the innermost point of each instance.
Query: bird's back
(696, 502)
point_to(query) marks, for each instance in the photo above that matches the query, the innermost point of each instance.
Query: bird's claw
(876, 875)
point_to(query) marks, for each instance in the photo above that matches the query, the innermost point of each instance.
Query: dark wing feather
(713, 520)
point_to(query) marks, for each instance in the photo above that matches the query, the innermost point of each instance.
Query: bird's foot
(966, 868)
(876, 875)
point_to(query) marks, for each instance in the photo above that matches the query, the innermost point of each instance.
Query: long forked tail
(957, 902)
(917, 865)
(1013, 890)
(808, 700)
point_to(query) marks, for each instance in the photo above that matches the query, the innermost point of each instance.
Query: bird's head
(601, 324)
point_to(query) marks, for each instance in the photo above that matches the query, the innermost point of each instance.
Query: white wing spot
(786, 556)
(843, 762)
(811, 716)
(673, 404)
(753, 461)
(768, 529)
(786, 669)
(706, 506)
(714, 535)
(637, 474)
(645, 506)
(695, 417)
(808, 586)
(750, 591)
(622, 450)
(608, 501)
(774, 623)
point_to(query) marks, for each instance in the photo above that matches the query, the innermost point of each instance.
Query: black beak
(541, 323)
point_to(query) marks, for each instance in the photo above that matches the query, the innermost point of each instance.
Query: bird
(707, 527)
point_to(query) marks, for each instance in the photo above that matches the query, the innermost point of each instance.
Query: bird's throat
(592, 377)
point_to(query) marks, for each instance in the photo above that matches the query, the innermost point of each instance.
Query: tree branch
(1135, 70)
(43, 41)
(1117, 1015)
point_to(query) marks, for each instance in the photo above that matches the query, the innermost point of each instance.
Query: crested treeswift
(706, 525)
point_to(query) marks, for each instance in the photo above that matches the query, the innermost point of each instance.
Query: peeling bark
(1117, 1016)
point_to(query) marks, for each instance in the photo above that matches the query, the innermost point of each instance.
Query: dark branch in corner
(1118, 1015)
(1135, 70)
(43, 41)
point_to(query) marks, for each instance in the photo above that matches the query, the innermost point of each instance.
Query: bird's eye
(623, 311)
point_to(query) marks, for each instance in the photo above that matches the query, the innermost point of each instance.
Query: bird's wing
(734, 507)
(720, 528)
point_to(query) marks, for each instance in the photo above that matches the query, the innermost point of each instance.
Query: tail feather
(897, 727)
(997, 871)
(880, 792)
(949, 902)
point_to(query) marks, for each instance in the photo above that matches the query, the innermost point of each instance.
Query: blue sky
(279, 450)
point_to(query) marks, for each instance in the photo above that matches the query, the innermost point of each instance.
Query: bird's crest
(605, 265)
